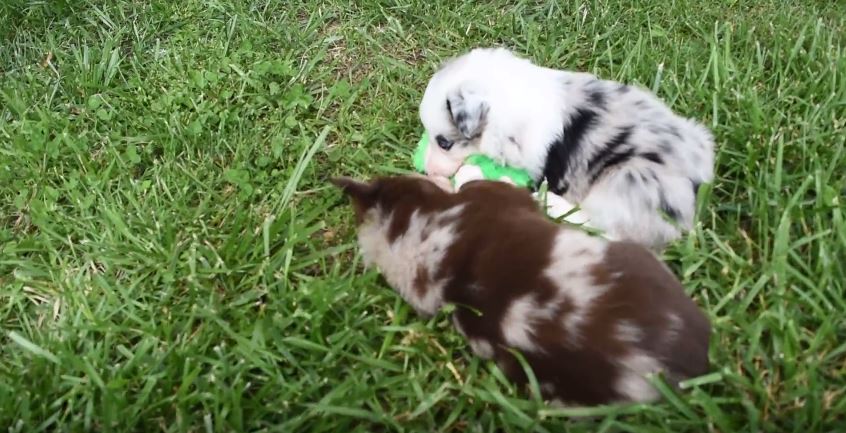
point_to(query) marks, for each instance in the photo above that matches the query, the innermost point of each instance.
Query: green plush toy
(489, 168)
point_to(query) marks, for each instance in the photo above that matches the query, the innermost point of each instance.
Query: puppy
(630, 163)
(592, 317)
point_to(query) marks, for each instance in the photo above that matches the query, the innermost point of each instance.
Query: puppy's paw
(557, 207)
(467, 173)
(442, 182)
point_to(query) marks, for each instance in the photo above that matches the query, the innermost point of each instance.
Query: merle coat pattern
(592, 317)
(631, 165)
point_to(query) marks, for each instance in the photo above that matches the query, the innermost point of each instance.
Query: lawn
(172, 258)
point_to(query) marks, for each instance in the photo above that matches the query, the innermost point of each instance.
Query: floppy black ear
(468, 111)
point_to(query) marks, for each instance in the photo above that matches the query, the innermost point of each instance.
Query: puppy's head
(384, 196)
(463, 100)
(455, 120)
(455, 110)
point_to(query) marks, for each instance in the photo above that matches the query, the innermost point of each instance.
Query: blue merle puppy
(631, 165)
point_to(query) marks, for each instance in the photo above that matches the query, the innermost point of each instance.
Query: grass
(172, 259)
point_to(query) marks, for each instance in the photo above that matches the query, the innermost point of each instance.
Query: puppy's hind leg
(642, 205)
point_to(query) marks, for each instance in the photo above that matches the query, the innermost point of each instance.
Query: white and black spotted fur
(629, 162)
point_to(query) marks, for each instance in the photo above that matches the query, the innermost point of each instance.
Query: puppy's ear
(363, 194)
(358, 191)
(467, 110)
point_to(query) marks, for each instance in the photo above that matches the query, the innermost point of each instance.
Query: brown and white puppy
(592, 317)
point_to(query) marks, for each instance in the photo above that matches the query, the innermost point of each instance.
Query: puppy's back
(592, 317)
(675, 329)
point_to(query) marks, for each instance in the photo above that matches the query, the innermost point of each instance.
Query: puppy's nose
(441, 163)
(443, 143)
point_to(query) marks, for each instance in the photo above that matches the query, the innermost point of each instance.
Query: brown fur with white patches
(592, 317)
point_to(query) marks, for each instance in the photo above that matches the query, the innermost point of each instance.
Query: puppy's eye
(443, 143)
